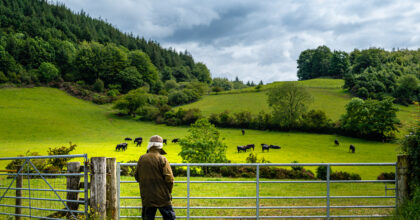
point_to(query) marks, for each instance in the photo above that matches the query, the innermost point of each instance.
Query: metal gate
(378, 205)
(29, 189)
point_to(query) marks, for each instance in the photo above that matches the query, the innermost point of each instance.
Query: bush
(386, 176)
(3, 78)
(60, 163)
(341, 175)
(47, 72)
(128, 170)
(296, 168)
(321, 172)
(98, 86)
(113, 92)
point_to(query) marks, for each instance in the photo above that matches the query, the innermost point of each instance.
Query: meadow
(35, 119)
(328, 96)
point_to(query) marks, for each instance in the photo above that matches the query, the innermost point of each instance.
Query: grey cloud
(261, 40)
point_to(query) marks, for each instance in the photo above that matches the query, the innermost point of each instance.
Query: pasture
(328, 96)
(36, 119)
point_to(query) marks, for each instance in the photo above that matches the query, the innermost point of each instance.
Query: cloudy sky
(261, 40)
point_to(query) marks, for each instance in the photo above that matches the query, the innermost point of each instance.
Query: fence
(327, 198)
(29, 191)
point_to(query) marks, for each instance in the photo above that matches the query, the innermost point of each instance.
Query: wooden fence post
(111, 188)
(402, 176)
(98, 187)
(18, 210)
(73, 183)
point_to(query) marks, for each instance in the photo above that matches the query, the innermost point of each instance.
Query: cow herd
(138, 141)
(263, 146)
(352, 148)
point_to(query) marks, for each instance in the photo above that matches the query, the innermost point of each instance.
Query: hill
(38, 118)
(328, 96)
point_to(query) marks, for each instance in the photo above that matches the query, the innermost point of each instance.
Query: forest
(371, 73)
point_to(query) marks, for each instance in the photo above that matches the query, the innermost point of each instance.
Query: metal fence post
(258, 192)
(86, 185)
(328, 191)
(118, 189)
(188, 191)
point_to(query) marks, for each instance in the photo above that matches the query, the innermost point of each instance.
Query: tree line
(40, 43)
(371, 73)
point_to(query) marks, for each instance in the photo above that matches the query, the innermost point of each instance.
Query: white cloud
(261, 40)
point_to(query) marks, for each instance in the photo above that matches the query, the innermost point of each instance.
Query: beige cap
(156, 138)
(155, 141)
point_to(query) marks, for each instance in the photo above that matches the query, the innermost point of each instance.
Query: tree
(223, 83)
(130, 102)
(339, 64)
(48, 72)
(304, 64)
(289, 102)
(202, 145)
(370, 118)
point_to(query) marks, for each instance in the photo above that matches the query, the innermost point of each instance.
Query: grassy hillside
(38, 118)
(328, 96)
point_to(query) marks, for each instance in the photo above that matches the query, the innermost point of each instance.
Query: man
(154, 174)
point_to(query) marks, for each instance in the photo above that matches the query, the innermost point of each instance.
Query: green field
(328, 96)
(38, 118)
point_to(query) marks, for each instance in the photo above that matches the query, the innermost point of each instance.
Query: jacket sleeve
(167, 174)
(137, 172)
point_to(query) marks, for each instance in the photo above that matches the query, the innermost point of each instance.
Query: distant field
(38, 118)
(328, 96)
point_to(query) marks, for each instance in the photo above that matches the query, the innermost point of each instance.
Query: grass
(36, 119)
(266, 189)
(328, 96)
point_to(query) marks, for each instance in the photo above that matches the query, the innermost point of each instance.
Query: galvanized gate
(378, 205)
(31, 190)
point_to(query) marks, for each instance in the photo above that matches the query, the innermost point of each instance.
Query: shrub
(113, 92)
(321, 172)
(386, 176)
(47, 72)
(98, 86)
(3, 78)
(60, 163)
(296, 168)
(128, 170)
(341, 175)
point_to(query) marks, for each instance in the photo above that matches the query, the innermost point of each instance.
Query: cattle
(165, 141)
(138, 141)
(249, 146)
(336, 142)
(243, 131)
(175, 140)
(352, 148)
(122, 146)
(241, 148)
(274, 147)
(128, 139)
(265, 147)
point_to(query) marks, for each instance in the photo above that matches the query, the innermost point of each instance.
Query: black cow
(274, 147)
(265, 147)
(243, 131)
(122, 146)
(241, 148)
(128, 139)
(249, 146)
(336, 142)
(352, 148)
(175, 140)
(138, 140)
(165, 141)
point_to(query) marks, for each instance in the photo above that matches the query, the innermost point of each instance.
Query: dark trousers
(148, 213)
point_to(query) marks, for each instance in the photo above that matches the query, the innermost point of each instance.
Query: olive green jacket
(154, 174)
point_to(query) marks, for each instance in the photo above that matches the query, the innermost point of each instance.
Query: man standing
(154, 174)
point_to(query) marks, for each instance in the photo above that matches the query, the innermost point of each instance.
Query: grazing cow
(249, 146)
(128, 139)
(241, 148)
(336, 142)
(138, 141)
(352, 148)
(122, 146)
(243, 131)
(175, 140)
(265, 147)
(165, 141)
(274, 147)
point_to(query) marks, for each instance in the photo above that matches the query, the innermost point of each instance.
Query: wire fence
(257, 198)
(28, 191)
